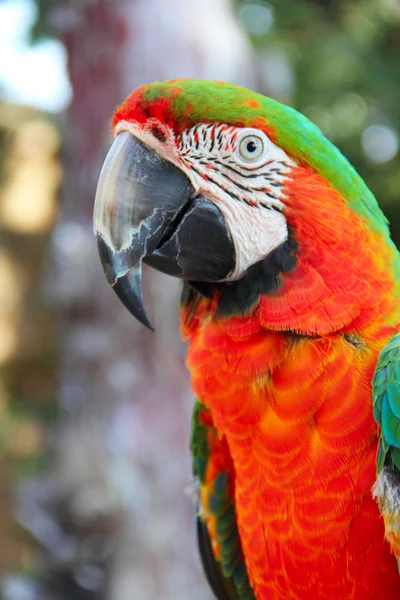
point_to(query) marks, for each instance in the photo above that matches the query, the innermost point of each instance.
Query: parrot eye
(251, 147)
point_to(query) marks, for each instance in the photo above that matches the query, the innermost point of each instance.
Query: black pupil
(251, 146)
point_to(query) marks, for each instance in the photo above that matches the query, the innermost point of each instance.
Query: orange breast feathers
(297, 416)
(289, 387)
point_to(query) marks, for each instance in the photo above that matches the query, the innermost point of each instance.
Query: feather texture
(218, 534)
(386, 399)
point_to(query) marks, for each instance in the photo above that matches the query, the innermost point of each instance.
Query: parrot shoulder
(386, 402)
(217, 531)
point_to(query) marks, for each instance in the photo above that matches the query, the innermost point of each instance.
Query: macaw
(291, 305)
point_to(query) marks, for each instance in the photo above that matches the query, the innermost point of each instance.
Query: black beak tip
(128, 286)
(129, 291)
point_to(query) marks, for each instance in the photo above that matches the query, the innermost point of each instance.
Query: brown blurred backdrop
(94, 409)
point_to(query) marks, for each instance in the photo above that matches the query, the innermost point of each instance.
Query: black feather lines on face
(239, 297)
(264, 277)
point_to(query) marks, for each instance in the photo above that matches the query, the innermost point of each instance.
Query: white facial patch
(255, 233)
(241, 171)
(248, 192)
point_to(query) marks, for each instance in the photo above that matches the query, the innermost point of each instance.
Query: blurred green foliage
(42, 27)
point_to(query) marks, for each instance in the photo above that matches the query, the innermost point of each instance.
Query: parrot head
(222, 187)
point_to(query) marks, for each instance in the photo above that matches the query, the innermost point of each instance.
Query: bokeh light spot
(350, 111)
(380, 143)
(256, 17)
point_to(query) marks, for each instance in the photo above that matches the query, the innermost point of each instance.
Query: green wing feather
(228, 576)
(386, 400)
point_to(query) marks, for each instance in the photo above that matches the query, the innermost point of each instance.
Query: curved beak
(147, 209)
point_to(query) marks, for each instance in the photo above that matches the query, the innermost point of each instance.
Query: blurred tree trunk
(121, 525)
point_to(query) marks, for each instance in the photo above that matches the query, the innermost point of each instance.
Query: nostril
(159, 134)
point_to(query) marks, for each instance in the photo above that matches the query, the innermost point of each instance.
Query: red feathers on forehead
(138, 109)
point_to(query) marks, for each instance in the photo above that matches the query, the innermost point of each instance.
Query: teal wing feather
(226, 575)
(386, 401)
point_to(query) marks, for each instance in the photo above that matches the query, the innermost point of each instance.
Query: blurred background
(94, 409)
